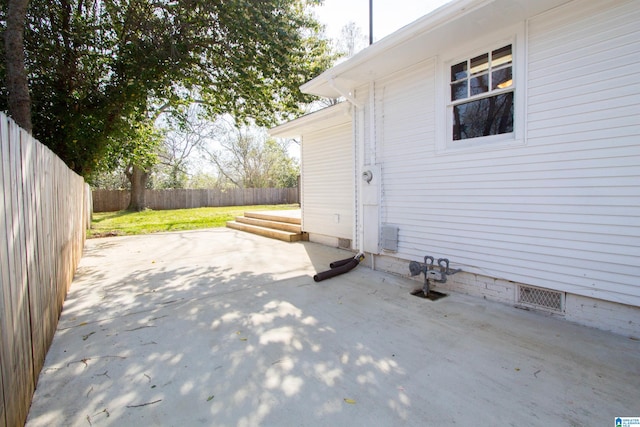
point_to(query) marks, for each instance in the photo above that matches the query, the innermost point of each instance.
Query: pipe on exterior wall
(359, 108)
(359, 206)
(372, 146)
(372, 123)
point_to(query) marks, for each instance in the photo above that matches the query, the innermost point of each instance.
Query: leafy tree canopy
(246, 158)
(100, 71)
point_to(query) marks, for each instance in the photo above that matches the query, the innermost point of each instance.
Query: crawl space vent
(541, 298)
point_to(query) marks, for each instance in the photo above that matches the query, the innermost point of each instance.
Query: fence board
(43, 218)
(18, 354)
(5, 265)
(28, 154)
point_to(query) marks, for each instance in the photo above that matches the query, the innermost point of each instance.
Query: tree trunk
(16, 75)
(138, 178)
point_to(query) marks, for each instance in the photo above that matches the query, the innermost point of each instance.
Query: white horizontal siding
(562, 211)
(405, 136)
(328, 182)
(583, 108)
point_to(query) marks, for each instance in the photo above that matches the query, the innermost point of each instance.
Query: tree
(246, 158)
(203, 180)
(140, 158)
(96, 68)
(351, 41)
(110, 180)
(17, 88)
(186, 133)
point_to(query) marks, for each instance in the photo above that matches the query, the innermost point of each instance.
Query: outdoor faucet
(430, 272)
(443, 263)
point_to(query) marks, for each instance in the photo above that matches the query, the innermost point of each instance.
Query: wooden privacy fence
(116, 200)
(44, 214)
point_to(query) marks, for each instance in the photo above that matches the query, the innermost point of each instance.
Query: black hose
(340, 263)
(353, 262)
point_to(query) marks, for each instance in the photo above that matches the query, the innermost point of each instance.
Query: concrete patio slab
(224, 328)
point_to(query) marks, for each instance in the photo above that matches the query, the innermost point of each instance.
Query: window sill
(488, 144)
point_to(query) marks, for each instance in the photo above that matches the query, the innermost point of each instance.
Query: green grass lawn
(149, 221)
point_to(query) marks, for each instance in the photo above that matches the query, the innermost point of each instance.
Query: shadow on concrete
(222, 328)
(144, 339)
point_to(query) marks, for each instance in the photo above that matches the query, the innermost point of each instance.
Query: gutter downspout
(358, 176)
(359, 153)
(372, 153)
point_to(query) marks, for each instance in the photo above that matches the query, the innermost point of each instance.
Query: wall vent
(344, 243)
(541, 298)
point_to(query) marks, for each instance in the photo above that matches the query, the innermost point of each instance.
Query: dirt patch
(104, 234)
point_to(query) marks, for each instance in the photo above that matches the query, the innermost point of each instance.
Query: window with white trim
(481, 102)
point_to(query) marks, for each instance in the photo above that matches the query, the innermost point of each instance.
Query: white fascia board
(454, 23)
(327, 117)
(323, 86)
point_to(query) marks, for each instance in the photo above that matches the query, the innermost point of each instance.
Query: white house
(503, 135)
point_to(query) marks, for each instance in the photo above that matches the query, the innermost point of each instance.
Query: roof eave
(322, 84)
(321, 119)
(453, 24)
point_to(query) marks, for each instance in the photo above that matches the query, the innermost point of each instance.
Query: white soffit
(450, 25)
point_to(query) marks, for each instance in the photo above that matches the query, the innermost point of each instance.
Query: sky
(388, 15)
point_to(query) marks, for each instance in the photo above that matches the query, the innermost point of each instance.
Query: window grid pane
(501, 56)
(459, 90)
(482, 74)
(459, 71)
(483, 117)
(501, 79)
(479, 64)
(479, 84)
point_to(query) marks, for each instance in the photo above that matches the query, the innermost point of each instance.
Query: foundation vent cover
(541, 298)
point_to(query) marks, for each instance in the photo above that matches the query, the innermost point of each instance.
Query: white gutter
(427, 23)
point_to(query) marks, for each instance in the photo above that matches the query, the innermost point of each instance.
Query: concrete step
(286, 236)
(271, 223)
